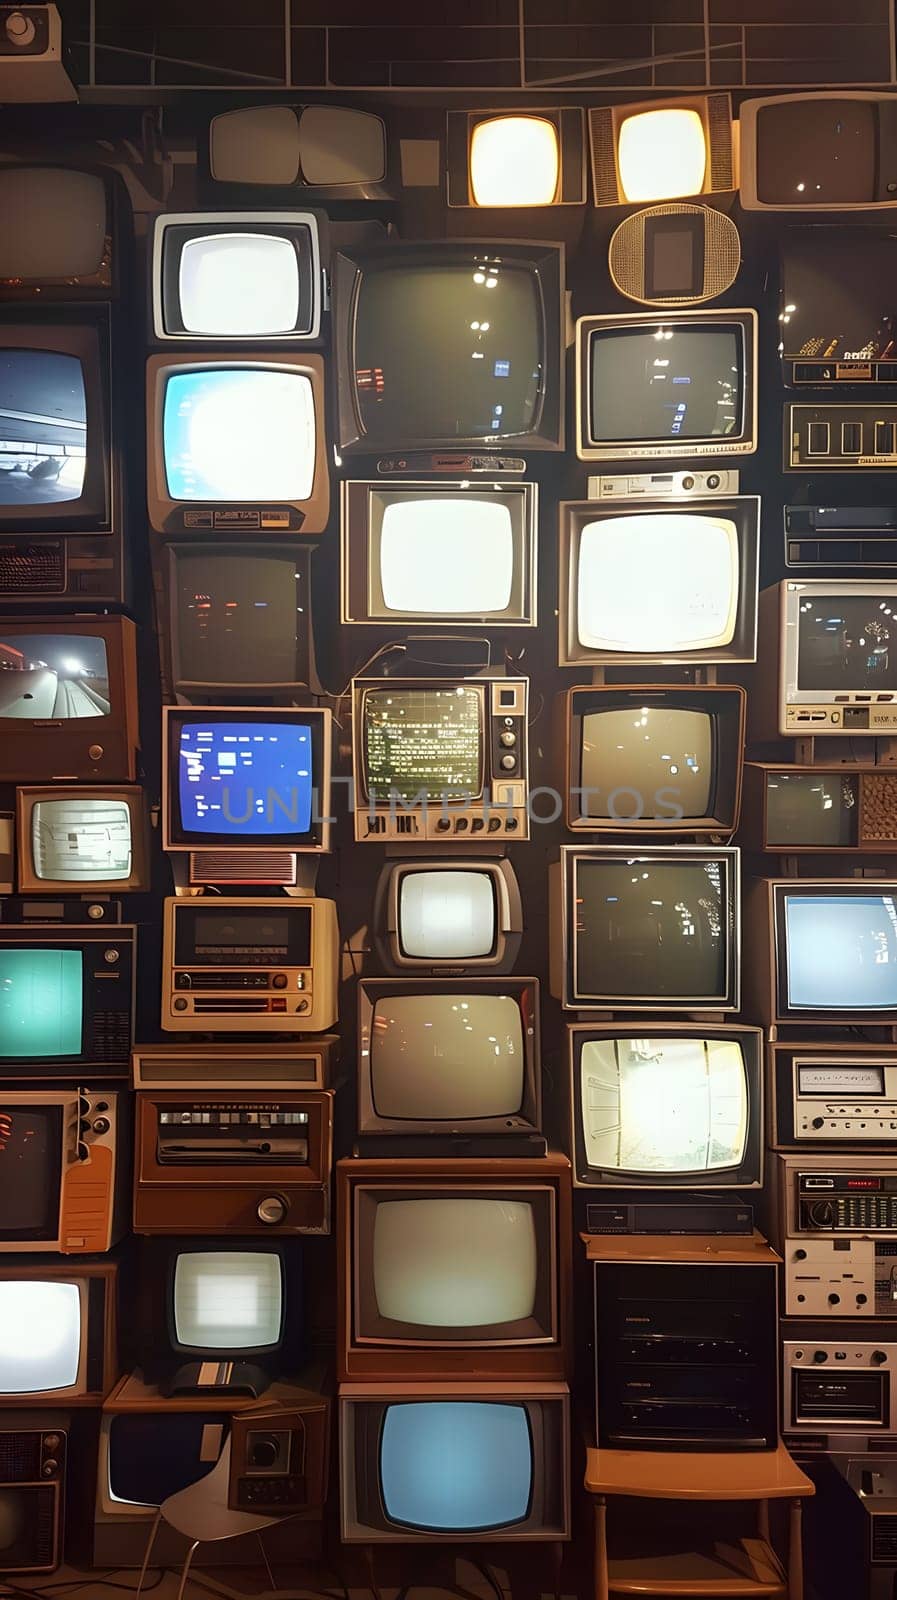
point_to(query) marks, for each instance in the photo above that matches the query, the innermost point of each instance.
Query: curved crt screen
(657, 583)
(646, 761)
(446, 555)
(448, 352)
(228, 1299)
(249, 779)
(239, 433)
(651, 930)
(30, 1145)
(817, 152)
(53, 676)
(81, 841)
(456, 1465)
(239, 284)
(445, 916)
(423, 743)
(238, 617)
(447, 1056)
(663, 1105)
(41, 1002)
(43, 427)
(54, 223)
(40, 1336)
(846, 642)
(454, 1262)
(841, 951)
(659, 383)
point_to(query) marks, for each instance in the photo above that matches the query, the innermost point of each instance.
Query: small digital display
(81, 841)
(41, 1003)
(43, 427)
(57, 677)
(808, 808)
(239, 618)
(31, 1155)
(841, 951)
(847, 642)
(817, 152)
(661, 383)
(423, 742)
(239, 433)
(249, 779)
(456, 1465)
(649, 930)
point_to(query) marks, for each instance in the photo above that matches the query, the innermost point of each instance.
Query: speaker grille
(722, 254)
(604, 156)
(719, 118)
(243, 866)
(32, 568)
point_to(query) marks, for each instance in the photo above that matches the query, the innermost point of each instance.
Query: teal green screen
(40, 1002)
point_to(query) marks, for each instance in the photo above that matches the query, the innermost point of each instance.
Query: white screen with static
(447, 1056)
(446, 916)
(662, 154)
(238, 285)
(657, 583)
(228, 1299)
(81, 841)
(443, 555)
(456, 1465)
(645, 761)
(514, 161)
(841, 951)
(54, 223)
(454, 1263)
(663, 1105)
(40, 1335)
(238, 433)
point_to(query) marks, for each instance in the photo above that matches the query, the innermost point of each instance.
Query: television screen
(661, 383)
(661, 759)
(846, 642)
(55, 227)
(154, 1454)
(41, 1002)
(836, 296)
(332, 147)
(423, 741)
(818, 151)
(454, 1263)
(456, 1466)
(31, 1138)
(841, 950)
(445, 916)
(43, 427)
(57, 676)
(808, 808)
(661, 154)
(82, 841)
(228, 1300)
(657, 583)
(239, 432)
(514, 161)
(246, 779)
(447, 1055)
(236, 275)
(40, 1335)
(239, 617)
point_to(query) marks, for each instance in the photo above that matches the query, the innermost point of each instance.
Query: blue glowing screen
(245, 778)
(456, 1464)
(841, 951)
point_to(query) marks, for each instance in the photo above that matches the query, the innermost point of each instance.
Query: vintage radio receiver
(242, 965)
(652, 485)
(853, 1194)
(840, 1277)
(840, 435)
(61, 1152)
(304, 1065)
(833, 1095)
(279, 1459)
(837, 1383)
(222, 1162)
(32, 1494)
(849, 539)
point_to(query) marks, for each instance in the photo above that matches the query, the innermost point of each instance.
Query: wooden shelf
(748, 1249)
(745, 1567)
(696, 1475)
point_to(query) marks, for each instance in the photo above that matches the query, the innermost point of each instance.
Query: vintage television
(654, 759)
(460, 1462)
(245, 790)
(60, 236)
(820, 810)
(516, 158)
(657, 582)
(441, 552)
(61, 511)
(449, 345)
(228, 1161)
(453, 1269)
(68, 699)
(832, 1094)
(32, 1495)
(304, 1064)
(827, 659)
(447, 916)
(335, 151)
(662, 149)
(834, 325)
(674, 254)
(238, 619)
(646, 929)
(64, 1165)
(828, 150)
(226, 276)
(440, 759)
(235, 444)
(219, 1316)
(84, 839)
(682, 1109)
(449, 1056)
(666, 387)
(66, 999)
(58, 1342)
(247, 965)
(821, 951)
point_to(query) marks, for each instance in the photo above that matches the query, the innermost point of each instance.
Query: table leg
(602, 1589)
(795, 1553)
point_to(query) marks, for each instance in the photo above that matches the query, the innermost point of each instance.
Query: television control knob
(861, 1299)
(688, 481)
(49, 1468)
(20, 29)
(279, 980)
(96, 913)
(52, 1441)
(819, 1356)
(834, 1299)
(818, 1122)
(83, 1152)
(507, 738)
(101, 1125)
(264, 1453)
(713, 480)
(110, 957)
(84, 1106)
(494, 824)
(180, 1004)
(460, 824)
(476, 825)
(96, 752)
(443, 825)
(878, 1358)
(271, 1210)
(508, 763)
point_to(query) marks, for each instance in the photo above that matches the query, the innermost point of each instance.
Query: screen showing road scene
(58, 676)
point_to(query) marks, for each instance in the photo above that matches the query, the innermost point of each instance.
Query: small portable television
(671, 388)
(439, 552)
(220, 1316)
(646, 929)
(658, 583)
(521, 158)
(819, 809)
(57, 1331)
(674, 255)
(448, 1056)
(245, 790)
(59, 236)
(232, 275)
(62, 1154)
(449, 345)
(32, 1494)
(68, 699)
(680, 1110)
(654, 760)
(822, 951)
(662, 149)
(834, 325)
(440, 759)
(66, 999)
(453, 1269)
(831, 150)
(238, 621)
(81, 839)
(472, 1462)
(235, 443)
(827, 661)
(337, 151)
(448, 916)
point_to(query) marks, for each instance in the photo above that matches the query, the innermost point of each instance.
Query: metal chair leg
(186, 1568)
(261, 1545)
(149, 1550)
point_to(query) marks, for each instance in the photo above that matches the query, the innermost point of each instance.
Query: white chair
(201, 1513)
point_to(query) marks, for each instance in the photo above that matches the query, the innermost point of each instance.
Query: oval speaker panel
(675, 255)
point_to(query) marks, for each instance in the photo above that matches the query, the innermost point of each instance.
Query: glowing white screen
(841, 950)
(239, 433)
(447, 1056)
(74, 841)
(455, 1262)
(514, 161)
(663, 1105)
(40, 1336)
(442, 555)
(657, 583)
(662, 154)
(446, 916)
(239, 284)
(228, 1300)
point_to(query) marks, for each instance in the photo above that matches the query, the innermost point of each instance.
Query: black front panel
(260, 936)
(30, 1517)
(154, 1454)
(31, 1153)
(847, 1202)
(847, 1397)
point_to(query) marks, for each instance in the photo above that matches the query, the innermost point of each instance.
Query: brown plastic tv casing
(28, 795)
(101, 749)
(754, 830)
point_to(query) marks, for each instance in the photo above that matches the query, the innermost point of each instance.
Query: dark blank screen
(30, 1147)
(652, 929)
(238, 619)
(811, 808)
(847, 642)
(816, 152)
(657, 384)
